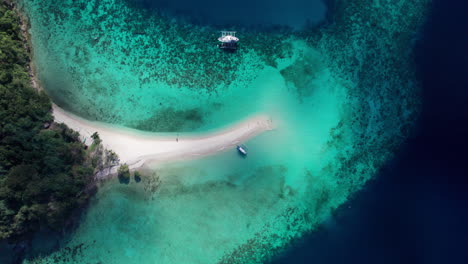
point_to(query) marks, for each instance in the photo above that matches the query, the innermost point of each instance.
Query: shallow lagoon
(343, 98)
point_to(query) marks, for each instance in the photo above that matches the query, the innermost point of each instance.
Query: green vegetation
(44, 169)
(96, 138)
(137, 176)
(124, 174)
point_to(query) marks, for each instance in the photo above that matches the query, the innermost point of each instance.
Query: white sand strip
(135, 147)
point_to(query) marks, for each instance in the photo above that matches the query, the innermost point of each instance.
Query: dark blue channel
(258, 13)
(416, 210)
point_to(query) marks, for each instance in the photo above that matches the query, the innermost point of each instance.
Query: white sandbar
(135, 147)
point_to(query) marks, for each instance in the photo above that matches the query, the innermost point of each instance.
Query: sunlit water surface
(343, 98)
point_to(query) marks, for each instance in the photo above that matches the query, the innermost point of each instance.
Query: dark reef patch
(171, 120)
(302, 73)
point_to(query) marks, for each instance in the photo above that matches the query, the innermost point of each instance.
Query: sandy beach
(136, 148)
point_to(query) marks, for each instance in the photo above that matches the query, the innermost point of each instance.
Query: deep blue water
(292, 13)
(416, 210)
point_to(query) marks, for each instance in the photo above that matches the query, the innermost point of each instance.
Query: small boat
(242, 150)
(228, 40)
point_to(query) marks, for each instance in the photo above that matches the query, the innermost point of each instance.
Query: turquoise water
(343, 97)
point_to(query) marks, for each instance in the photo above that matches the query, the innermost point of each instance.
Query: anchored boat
(228, 40)
(242, 150)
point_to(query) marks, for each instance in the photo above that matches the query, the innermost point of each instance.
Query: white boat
(242, 150)
(228, 40)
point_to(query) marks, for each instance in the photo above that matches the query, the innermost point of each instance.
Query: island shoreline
(20, 247)
(136, 148)
(259, 122)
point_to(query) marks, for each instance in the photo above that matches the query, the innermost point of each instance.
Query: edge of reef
(15, 251)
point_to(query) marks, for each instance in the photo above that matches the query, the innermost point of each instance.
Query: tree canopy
(123, 173)
(43, 171)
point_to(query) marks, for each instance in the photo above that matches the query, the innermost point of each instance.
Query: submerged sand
(136, 148)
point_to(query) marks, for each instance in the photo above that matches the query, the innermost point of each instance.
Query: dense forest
(44, 168)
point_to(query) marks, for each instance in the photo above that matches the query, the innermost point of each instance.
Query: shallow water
(343, 98)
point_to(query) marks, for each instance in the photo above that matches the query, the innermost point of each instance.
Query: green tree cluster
(123, 173)
(43, 172)
(137, 176)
